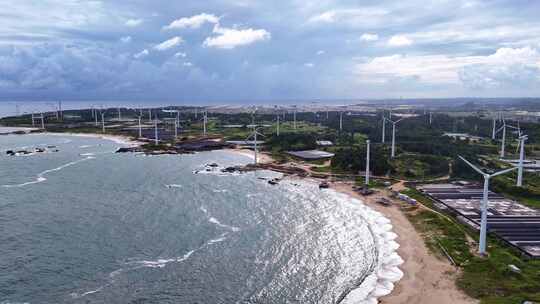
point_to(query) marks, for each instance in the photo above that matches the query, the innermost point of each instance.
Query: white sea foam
(41, 176)
(220, 190)
(218, 240)
(213, 220)
(386, 272)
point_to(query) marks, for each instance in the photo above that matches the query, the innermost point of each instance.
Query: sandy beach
(119, 139)
(426, 279)
(263, 158)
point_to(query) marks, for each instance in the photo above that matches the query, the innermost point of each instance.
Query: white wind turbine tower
(294, 118)
(176, 124)
(494, 131)
(254, 135)
(205, 121)
(484, 203)
(367, 161)
(119, 115)
(42, 121)
(521, 140)
(383, 128)
(156, 135)
(341, 120)
(503, 129)
(394, 136)
(277, 124)
(102, 122)
(140, 126)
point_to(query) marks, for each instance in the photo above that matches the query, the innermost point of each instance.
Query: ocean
(87, 225)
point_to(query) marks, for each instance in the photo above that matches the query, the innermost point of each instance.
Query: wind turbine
(119, 115)
(205, 121)
(140, 126)
(277, 126)
(341, 120)
(254, 136)
(383, 128)
(484, 203)
(521, 140)
(503, 129)
(394, 136)
(102, 121)
(42, 121)
(367, 161)
(156, 139)
(294, 118)
(494, 132)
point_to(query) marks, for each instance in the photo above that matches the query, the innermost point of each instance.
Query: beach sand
(426, 279)
(263, 158)
(119, 139)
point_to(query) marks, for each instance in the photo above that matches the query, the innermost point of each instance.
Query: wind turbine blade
(500, 129)
(399, 120)
(471, 165)
(503, 172)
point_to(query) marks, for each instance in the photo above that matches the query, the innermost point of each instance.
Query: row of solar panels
(521, 231)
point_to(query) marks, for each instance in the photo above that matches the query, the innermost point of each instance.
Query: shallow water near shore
(86, 225)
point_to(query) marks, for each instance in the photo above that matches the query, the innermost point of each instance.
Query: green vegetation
(529, 194)
(352, 159)
(420, 166)
(292, 142)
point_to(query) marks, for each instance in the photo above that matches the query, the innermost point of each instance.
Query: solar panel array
(516, 224)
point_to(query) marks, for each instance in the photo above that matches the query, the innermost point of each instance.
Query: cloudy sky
(224, 50)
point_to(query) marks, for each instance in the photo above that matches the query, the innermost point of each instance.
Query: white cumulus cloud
(369, 37)
(133, 22)
(326, 17)
(507, 67)
(169, 44)
(309, 65)
(180, 55)
(229, 38)
(399, 40)
(126, 39)
(192, 22)
(141, 54)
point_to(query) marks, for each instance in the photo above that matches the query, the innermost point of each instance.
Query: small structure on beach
(324, 143)
(311, 154)
(246, 143)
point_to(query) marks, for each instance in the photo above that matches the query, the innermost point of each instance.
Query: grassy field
(488, 279)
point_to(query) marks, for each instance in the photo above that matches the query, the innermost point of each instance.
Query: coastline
(426, 279)
(119, 139)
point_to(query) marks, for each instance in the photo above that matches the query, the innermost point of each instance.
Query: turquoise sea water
(86, 225)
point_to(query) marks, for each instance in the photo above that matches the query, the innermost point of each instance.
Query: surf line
(41, 176)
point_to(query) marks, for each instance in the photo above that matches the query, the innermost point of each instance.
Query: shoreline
(426, 279)
(119, 139)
